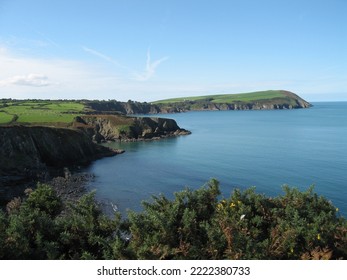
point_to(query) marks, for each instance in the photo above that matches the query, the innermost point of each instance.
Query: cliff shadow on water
(30, 154)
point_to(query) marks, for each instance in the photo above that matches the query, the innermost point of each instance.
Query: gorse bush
(195, 224)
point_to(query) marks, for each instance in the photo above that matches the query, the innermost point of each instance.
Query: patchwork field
(27, 111)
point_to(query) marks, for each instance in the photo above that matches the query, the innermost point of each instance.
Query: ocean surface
(266, 149)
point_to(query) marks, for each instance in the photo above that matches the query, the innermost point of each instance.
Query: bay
(265, 149)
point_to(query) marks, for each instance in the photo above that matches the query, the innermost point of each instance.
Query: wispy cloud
(33, 80)
(101, 55)
(150, 67)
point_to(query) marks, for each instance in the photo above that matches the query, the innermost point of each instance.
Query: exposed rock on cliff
(279, 99)
(28, 152)
(129, 108)
(122, 128)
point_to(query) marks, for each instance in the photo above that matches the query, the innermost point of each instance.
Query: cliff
(29, 152)
(123, 128)
(262, 100)
(128, 108)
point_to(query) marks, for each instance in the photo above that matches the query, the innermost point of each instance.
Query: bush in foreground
(196, 224)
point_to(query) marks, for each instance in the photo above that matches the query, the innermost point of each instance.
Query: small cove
(266, 149)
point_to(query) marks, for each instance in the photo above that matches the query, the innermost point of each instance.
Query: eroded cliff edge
(272, 100)
(101, 128)
(29, 152)
(32, 152)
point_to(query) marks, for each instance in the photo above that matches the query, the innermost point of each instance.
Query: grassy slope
(39, 111)
(229, 98)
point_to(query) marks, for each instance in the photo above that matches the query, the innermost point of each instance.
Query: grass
(229, 98)
(5, 117)
(36, 112)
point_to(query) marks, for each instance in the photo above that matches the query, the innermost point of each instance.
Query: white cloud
(33, 80)
(22, 76)
(150, 68)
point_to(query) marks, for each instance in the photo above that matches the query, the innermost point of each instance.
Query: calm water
(265, 149)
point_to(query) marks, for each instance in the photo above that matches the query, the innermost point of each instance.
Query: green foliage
(124, 129)
(298, 225)
(86, 233)
(44, 200)
(30, 230)
(196, 224)
(174, 229)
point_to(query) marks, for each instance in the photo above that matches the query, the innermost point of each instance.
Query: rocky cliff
(122, 128)
(28, 152)
(286, 100)
(128, 108)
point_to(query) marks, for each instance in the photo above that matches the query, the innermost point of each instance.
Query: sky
(147, 50)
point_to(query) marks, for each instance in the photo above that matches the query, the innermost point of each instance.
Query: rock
(125, 128)
(29, 152)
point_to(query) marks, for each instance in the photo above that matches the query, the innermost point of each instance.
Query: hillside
(61, 113)
(260, 100)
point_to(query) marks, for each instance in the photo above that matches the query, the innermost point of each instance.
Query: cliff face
(289, 100)
(129, 108)
(122, 128)
(28, 152)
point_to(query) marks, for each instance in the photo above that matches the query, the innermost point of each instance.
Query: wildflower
(220, 206)
(242, 217)
(337, 209)
(318, 236)
(232, 204)
(292, 250)
(239, 202)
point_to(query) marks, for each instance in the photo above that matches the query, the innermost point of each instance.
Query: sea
(266, 149)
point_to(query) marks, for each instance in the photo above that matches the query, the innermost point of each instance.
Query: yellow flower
(232, 204)
(291, 250)
(220, 206)
(239, 202)
(337, 209)
(318, 236)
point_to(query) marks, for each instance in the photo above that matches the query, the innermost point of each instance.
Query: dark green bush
(196, 224)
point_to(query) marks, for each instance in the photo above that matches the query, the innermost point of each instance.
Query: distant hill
(61, 113)
(260, 100)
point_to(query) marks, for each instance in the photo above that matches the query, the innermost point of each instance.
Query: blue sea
(265, 149)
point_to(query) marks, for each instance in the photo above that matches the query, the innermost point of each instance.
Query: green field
(229, 98)
(23, 112)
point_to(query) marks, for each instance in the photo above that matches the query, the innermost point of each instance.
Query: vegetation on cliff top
(63, 112)
(270, 99)
(194, 225)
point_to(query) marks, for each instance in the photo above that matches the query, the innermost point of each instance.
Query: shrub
(196, 224)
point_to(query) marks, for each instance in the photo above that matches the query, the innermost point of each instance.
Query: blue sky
(155, 49)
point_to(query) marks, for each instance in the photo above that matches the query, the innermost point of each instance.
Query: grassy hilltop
(260, 100)
(229, 98)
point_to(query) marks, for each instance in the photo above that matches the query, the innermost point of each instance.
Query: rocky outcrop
(128, 108)
(29, 152)
(122, 128)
